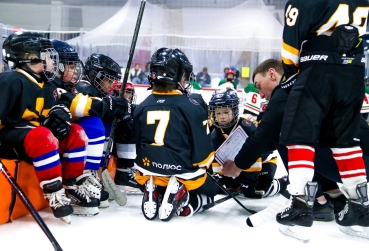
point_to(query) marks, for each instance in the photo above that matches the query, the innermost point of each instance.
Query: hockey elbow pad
(58, 121)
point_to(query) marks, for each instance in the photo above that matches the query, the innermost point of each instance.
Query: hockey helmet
(18, 46)
(70, 67)
(130, 92)
(231, 72)
(101, 70)
(169, 66)
(224, 99)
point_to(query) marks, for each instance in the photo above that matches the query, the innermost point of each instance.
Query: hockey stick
(120, 197)
(30, 207)
(230, 194)
(221, 200)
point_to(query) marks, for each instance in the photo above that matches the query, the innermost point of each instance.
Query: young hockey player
(87, 111)
(229, 80)
(173, 142)
(38, 127)
(125, 149)
(224, 108)
(251, 106)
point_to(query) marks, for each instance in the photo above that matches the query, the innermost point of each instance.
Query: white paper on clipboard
(231, 146)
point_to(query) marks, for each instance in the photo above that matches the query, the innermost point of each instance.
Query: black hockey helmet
(102, 71)
(169, 66)
(70, 67)
(19, 45)
(224, 99)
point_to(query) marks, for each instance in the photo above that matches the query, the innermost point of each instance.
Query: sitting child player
(257, 181)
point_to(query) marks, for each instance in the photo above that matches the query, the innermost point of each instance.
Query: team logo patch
(74, 90)
(153, 75)
(55, 93)
(194, 101)
(146, 161)
(246, 123)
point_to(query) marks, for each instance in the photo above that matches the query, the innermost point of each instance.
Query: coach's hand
(230, 169)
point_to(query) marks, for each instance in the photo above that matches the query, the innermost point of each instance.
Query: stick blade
(112, 189)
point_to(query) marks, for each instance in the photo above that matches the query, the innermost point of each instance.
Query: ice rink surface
(222, 227)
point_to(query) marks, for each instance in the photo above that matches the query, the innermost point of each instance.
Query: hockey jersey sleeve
(296, 27)
(82, 105)
(202, 147)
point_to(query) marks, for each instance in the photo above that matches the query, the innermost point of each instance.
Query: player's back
(320, 17)
(165, 125)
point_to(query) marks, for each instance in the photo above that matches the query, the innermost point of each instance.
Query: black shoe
(323, 212)
(300, 210)
(355, 212)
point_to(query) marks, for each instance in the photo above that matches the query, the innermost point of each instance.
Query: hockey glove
(125, 130)
(58, 121)
(118, 107)
(286, 84)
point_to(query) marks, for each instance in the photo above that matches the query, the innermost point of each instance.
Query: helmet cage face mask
(227, 99)
(188, 82)
(50, 62)
(104, 81)
(131, 91)
(70, 71)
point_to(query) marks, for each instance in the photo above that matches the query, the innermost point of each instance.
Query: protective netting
(243, 35)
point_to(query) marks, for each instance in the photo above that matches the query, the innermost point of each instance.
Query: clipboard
(231, 146)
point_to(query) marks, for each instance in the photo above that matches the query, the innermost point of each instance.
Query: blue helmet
(224, 99)
(70, 67)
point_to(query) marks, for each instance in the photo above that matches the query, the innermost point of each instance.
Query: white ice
(222, 227)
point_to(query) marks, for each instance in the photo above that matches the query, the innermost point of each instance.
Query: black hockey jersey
(218, 136)
(172, 136)
(306, 20)
(25, 99)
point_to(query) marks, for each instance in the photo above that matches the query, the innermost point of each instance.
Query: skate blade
(85, 211)
(297, 232)
(104, 204)
(356, 231)
(130, 190)
(66, 219)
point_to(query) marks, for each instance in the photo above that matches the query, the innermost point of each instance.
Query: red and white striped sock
(300, 167)
(351, 167)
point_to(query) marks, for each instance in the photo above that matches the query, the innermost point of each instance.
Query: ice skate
(150, 201)
(295, 221)
(353, 220)
(94, 180)
(83, 197)
(185, 211)
(175, 197)
(323, 212)
(58, 201)
(125, 179)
